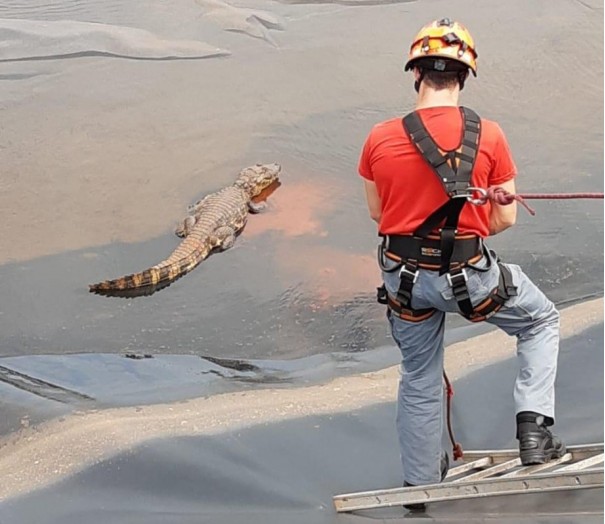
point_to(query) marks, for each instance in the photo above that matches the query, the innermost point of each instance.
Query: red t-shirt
(410, 190)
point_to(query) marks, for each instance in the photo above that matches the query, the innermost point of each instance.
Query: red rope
(502, 197)
(456, 447)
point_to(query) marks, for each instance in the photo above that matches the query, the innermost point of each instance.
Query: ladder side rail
(548, 482)
(580, 451)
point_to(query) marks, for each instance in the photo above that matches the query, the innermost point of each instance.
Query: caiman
(212, 224)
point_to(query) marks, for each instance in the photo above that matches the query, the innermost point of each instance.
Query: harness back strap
(453, 169)
(497, 298)
(397, 308)
(482, 311)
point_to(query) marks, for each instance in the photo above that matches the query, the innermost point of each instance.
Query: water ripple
(34, 40)
(65, 9)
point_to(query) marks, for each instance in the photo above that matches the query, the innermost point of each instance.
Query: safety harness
(448, 252)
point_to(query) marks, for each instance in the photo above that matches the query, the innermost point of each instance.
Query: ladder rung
(583, 464)
(468, 466)
(528, 470)
(489, 472)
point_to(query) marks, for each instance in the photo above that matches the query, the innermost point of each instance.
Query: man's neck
(428, 97)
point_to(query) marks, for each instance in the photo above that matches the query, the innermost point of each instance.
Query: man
(425, 180)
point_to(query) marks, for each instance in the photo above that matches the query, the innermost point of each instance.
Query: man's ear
(417, 74)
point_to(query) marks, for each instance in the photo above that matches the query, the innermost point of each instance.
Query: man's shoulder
(490, 126)
(387, 125)
(487, 123)
(491, 131)
(492, 136)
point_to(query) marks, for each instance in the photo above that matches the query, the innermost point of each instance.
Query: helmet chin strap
(419, 81)
(462, 76)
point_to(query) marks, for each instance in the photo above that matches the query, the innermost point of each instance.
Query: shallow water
(102, 154)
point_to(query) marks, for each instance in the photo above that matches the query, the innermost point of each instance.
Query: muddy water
(116, 116)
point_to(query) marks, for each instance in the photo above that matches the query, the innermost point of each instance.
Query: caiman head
(258, 179)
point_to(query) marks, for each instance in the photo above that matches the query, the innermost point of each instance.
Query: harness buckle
(450, 278)
(413, 275)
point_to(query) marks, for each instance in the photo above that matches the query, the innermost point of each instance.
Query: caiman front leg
(196, 209)
(257, 207)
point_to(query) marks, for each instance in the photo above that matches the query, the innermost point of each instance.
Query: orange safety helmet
(443, 39)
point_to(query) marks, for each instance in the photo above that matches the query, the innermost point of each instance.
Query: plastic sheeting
(288, 472)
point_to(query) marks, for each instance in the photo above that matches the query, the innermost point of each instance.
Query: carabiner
(477, 201)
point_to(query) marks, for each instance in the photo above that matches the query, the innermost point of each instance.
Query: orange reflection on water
(293, 210)
(326, 273)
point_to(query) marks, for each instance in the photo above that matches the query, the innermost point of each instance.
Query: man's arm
(373, 199)
(503, 217)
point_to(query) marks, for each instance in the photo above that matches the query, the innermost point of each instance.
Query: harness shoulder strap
(455, 179)
(427, 147)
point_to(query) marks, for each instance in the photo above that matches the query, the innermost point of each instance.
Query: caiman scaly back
(213, 222)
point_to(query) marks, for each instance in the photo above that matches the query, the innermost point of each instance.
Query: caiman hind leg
(224, 237)
(185, 227)
(194, 210)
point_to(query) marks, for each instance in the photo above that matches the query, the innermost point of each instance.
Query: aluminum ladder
(488, 474)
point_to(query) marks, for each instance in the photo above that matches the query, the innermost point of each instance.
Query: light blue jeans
(529, 316)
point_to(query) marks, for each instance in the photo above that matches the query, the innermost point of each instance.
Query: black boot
(537, 445)
(445, 467)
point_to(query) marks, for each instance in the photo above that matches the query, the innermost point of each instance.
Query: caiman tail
(186, 257)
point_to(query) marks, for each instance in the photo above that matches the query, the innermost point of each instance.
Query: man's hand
(502, 217)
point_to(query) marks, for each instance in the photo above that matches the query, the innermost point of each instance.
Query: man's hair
(441, 79)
